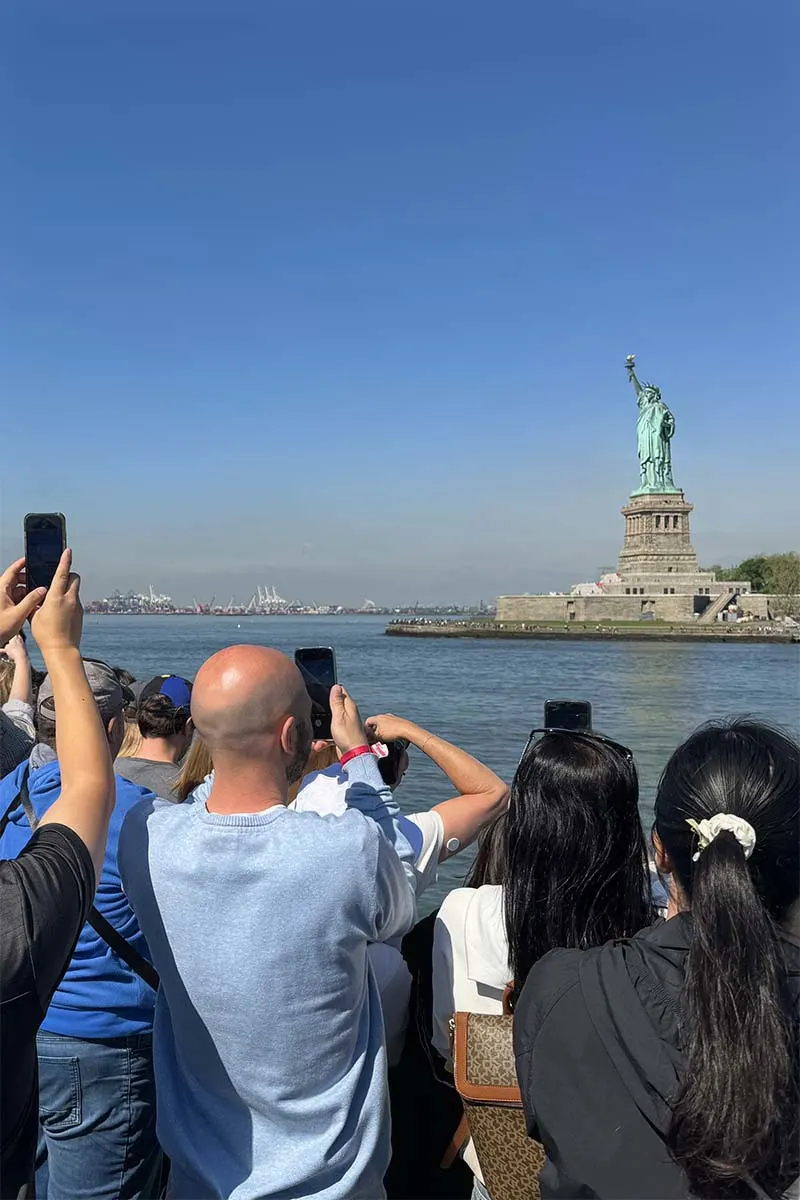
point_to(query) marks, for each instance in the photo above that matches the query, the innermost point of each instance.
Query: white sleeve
(426, 864)
(448, 957)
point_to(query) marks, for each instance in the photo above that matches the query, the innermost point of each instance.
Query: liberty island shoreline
(748, 633)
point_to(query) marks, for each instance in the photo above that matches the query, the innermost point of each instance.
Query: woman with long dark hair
(667, 1065)
(574, 873)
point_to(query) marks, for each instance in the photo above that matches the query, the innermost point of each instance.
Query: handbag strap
(103, 928)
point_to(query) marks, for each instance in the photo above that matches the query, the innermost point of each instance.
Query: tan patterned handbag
(486, 1080)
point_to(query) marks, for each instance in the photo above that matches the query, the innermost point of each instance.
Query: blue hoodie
(99, 996)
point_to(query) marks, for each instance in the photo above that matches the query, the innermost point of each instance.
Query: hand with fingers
(320, 744)
(15, 605)
(58, 622)
(387, 727)
(16, 649)
(347, 726)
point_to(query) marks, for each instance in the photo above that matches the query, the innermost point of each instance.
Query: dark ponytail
(734, 1120)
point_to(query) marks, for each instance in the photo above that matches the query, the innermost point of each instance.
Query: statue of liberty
(654, 429)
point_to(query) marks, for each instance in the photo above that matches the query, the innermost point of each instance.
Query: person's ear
(115, 734)
(663, 864)
(288, 736)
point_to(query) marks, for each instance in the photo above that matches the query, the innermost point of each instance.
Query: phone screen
(317, 665)
(568, 714)
(45, 539)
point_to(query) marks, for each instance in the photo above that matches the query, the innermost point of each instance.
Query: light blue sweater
(268, 1040)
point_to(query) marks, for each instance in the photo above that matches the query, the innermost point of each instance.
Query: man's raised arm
(87, 778)
(366, 790)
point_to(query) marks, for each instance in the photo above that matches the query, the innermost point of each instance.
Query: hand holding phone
(317, 665)
(17, 604)
(58, 623)
(347, 727)
(45, 542)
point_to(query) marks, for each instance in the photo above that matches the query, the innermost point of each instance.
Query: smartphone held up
(317, 665)
(45, 542)
(575, 715)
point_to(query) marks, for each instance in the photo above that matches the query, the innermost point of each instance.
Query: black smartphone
(568, 714)
(45, 542)
(317, 665)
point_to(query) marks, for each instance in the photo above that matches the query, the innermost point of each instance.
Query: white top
(470, 967)
(470, 955)
(470, 958)
(394, 984)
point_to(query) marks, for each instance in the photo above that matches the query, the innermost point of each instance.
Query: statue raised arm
(654, 430)
(630, 363)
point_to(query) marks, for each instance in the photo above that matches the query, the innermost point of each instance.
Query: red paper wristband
(354, 753)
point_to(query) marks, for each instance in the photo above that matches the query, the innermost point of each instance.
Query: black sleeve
(45, 895)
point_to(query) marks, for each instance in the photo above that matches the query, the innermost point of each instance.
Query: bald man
(268, 1040)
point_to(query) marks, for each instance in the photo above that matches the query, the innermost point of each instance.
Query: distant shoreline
(650, 631)
(189, 612)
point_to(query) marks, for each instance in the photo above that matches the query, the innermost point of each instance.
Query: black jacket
(595, 1038)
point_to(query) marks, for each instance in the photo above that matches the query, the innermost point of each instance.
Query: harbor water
(487, 695)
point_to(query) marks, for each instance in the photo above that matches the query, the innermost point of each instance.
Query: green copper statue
(654, 429)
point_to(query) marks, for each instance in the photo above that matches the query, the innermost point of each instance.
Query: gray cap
(109, 693)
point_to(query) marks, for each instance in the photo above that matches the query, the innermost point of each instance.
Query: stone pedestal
(657, 539)
(658, 576)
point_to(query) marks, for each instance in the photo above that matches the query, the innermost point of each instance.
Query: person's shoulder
(350, 826)
(455, 904)
(486, 900)
(146, 811)
(130, 794)
(549, 980)
(343, 849)
(469, 908)
(430, 825)
(428, 821)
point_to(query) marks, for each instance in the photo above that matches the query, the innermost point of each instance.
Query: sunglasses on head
(589, 734)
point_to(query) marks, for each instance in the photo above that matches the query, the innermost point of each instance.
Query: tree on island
(776, 574)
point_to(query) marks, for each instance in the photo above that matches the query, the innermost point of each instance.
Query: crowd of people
(215, 983)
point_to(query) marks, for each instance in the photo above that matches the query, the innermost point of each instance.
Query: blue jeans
(97, 1119)
(479, 1191)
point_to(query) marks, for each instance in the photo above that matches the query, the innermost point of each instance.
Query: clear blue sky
(337, 295)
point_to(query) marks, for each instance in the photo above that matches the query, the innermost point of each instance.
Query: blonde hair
(7, 669)
(196, 765)
(131, 741)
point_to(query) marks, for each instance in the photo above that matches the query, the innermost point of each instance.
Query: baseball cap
(174, 687)
(110, 695)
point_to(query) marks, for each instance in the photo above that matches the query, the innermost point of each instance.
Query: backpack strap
(103, 928)
(123, 949)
